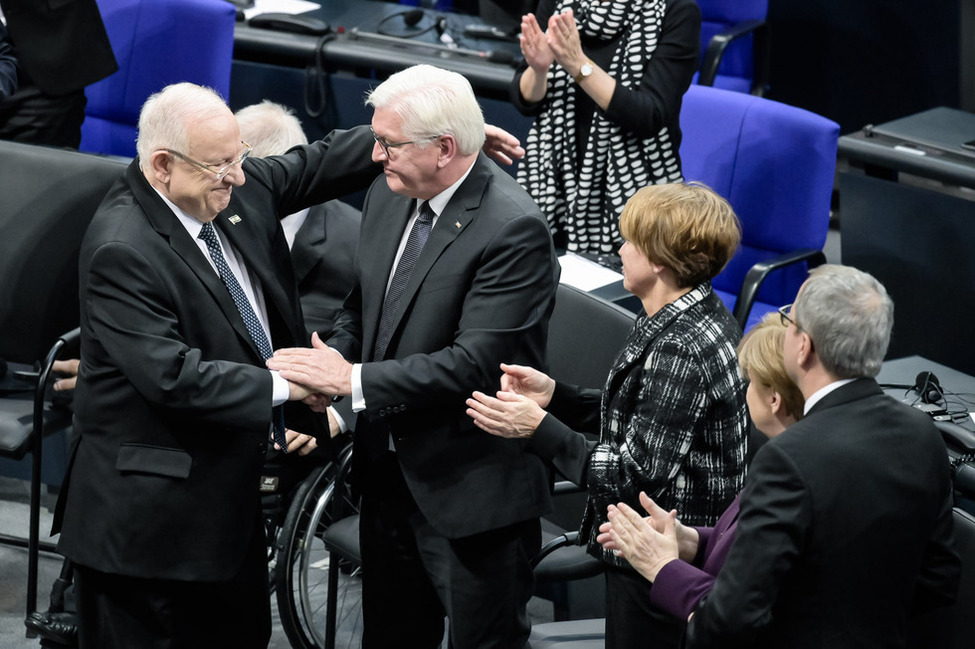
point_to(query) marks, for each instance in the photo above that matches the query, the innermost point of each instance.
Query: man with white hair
(455, 274)
(186, 286)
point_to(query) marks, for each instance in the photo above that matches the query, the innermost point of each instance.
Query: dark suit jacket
(481, 294)
(845, 530)
(8, 64)
(61, 44)
(322, 254)
(173, 403)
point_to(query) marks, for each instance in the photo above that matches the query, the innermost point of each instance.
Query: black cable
(315, 80)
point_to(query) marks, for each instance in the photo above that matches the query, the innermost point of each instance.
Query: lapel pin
(457, 224)
(234, 219)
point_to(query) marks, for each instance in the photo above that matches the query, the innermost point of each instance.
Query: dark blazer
(845, 530)
(173, 403)
(8, 64)
(481, 294)
(322, 254)
(61, 44)
(672, 419)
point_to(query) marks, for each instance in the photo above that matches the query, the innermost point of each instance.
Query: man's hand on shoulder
(501, 146)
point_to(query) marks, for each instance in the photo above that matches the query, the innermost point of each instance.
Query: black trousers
(414, 577)
(33, 117)
(631, 621)
(119, 612)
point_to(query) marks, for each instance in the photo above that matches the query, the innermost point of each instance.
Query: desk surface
(958, 387)
(928, 144)
(358, 45)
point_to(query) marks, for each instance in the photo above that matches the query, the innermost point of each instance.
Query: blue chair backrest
(775, 164)
(737, 65)
(156, 43)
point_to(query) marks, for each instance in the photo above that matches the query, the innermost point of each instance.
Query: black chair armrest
(562, 487)
(757, 274)
(760, 53)
(562, 540)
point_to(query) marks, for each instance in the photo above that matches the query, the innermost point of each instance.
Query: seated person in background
(672, 419)
(774, 403)
(604, 79)
(845, 528)
(322, 238)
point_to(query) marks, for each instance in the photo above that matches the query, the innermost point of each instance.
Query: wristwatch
(584, 72)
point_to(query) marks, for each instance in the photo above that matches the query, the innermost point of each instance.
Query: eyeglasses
(784, 315)
(386, 146)
(222, 172)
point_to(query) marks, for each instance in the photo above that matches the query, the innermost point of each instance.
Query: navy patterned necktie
(254, 327)
(414, 245)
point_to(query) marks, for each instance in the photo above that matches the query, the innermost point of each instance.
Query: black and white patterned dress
(581, 163)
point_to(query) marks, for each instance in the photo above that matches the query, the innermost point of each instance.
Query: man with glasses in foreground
(449, 516)
(186, 285)
(845, 527)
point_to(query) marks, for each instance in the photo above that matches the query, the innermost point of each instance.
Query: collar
(439, 202)
(818, 395)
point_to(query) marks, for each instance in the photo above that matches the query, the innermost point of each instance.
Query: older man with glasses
(455, 274)
(186, 286)
(845, 527)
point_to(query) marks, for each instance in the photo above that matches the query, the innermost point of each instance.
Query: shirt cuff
(358, 400)
(281, 390)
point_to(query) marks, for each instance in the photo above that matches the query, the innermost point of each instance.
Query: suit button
(382, 412)
(401, 408)
(262, 448)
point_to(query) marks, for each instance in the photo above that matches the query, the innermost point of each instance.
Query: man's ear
(805, 350)
(160, 166)
(447, 149)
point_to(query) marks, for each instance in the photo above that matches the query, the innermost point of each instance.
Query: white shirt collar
(439, 202)
(818, 395)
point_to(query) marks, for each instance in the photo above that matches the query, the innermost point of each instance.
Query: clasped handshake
(315, 374)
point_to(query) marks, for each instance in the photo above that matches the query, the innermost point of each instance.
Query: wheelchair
(297, 511)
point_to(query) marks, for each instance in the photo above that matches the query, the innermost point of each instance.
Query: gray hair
(166, 114)
(270, 128)
(433, 102)
(849, 316)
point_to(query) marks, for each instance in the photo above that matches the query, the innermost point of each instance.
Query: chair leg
(331, 605)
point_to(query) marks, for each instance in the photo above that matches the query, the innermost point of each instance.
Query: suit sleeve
(503, 315)
(8, 65)
(338, 164)
(134, 320)
(776, 515)
(940, 570)
(656, 101)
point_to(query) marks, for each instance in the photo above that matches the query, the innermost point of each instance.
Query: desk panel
(356, 45)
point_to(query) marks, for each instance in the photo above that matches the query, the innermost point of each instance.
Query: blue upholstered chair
(734, 45)
(155, 44)
(775, 164)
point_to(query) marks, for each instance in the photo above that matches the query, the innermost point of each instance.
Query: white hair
(166, 115)
(433, 102)
(270, 128)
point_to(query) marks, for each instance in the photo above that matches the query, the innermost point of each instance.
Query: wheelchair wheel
(301, 574)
